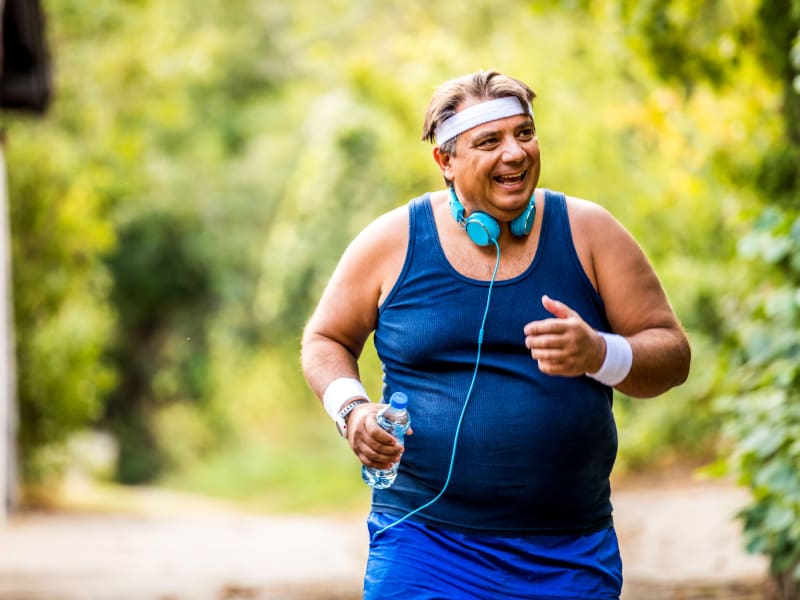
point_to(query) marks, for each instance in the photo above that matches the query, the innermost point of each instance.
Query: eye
(487, 142)
(526, 133)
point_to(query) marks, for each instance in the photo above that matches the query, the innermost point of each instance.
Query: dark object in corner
(25, 82)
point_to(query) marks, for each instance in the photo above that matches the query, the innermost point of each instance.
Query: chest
(477, 262)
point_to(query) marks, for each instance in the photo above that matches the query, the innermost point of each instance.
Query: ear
(444, 161)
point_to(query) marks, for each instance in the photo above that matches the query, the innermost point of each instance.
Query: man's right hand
(373, 446)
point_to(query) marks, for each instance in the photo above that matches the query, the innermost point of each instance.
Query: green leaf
(779, 518)
(776, 249)
(762, 441)
(717, 469)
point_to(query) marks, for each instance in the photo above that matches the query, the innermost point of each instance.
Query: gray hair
(480, 85)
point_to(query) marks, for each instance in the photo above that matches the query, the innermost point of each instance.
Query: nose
(513, 150)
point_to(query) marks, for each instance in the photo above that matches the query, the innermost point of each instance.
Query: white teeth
(510, 178)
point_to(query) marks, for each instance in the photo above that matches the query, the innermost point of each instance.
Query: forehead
(497, 126)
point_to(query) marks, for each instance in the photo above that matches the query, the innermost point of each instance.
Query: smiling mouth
(511, 179)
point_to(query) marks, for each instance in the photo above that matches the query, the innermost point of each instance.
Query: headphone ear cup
(522, 225)
(482, 228)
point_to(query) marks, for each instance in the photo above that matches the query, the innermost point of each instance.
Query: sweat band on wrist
(477, 114)
(340, 391)
(618, 361)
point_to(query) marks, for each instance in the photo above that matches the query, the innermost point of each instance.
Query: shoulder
(386, 232)
(584, 212)
(376, 255)
(604, 246)
(594, 227)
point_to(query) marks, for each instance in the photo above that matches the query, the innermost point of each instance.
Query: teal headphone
(483, 229)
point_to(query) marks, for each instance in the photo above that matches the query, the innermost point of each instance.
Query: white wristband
(340, 391)
(619, 358)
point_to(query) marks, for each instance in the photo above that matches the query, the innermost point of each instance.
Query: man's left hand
(564, 345)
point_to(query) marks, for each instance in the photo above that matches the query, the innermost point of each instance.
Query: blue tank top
(535, 451)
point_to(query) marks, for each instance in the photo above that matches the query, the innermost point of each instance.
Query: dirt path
(678, 542)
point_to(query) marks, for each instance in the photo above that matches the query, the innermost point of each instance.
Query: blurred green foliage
(164, 296)
(759, 399)
(177, 213)
(63, 322)
(762, 409)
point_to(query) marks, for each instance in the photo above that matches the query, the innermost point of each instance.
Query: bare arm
(343, 320)
(636, 306)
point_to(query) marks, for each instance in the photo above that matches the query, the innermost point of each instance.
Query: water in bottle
(392, 418)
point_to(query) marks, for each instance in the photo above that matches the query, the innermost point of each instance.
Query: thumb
(556, 308)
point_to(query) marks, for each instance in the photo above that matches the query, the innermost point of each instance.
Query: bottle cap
(399, 400)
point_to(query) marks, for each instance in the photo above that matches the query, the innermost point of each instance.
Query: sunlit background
(178, 210)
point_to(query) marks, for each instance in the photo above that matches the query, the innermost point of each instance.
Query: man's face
(495, 167)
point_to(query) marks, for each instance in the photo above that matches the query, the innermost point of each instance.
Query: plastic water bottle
(392, 418)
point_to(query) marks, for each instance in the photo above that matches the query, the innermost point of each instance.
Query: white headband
(477, 114)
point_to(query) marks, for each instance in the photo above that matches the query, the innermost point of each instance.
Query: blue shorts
(416, 561)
